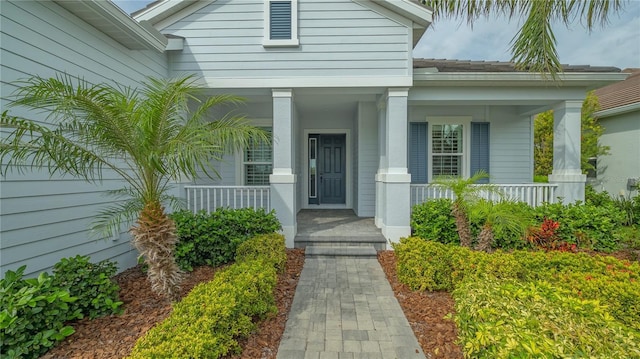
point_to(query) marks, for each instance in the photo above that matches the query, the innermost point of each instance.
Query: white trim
(113, 21)
(617, 110)
(465, 121)
(305, 169)
(168, 12)
(308, 82)
(239, 155)
(267, 41)
(590, 79)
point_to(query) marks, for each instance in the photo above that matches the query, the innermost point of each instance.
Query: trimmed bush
(212, 238)
(427, 265)
(211, 319)
(433, 220)
(586, 225)
(268, 247)
(33, 315)
(91, 283)
(512, 319)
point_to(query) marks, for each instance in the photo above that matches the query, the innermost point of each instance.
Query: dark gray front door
(332, 168)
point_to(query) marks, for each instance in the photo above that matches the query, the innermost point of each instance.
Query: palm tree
(495, 216)
(465, 194)
(149, 136)
(533, 48)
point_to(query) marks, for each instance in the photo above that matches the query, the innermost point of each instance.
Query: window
(281, 23)
(257, 162)
(447, 150)
(447, 146)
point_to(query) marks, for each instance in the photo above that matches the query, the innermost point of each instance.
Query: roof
(620, 94)
(115, 23)
(420, 15)
(444, 65)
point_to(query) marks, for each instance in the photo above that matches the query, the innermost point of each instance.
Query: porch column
(283, 179)
(396, 180)
(567, 173)
(382, 161)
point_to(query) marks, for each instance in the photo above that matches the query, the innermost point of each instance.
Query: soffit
(115, 23)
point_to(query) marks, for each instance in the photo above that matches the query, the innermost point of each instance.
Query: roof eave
(409, 9)
(581, 79)
(115, 23)
(162, 10)
(618, 110)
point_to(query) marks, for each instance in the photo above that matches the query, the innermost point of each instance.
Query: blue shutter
(280, 20)
(480, 148)
(418, 152)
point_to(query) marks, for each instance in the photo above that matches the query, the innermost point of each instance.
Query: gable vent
(280, 13)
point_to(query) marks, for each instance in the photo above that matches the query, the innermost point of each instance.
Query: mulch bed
(114, 336)
(425, 311)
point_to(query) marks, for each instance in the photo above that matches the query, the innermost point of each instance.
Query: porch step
(341, 251)
(378, 242)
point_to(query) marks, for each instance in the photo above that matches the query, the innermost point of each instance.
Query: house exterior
(357, 122)
(619, 114)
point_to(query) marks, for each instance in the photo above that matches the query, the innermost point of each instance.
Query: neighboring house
(619, 114)
(357, 122)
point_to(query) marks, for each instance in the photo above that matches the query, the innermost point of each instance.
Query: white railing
(210, 198)
(534, 194)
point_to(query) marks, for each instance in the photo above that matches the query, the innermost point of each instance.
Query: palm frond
(533, 48)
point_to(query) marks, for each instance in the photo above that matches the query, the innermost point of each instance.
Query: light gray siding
(367, 159)
(337, 38)
(622, 135)
(43, 219)
(510, 137)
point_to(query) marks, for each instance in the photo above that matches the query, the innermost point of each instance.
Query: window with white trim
(257, 162)
(281, 23)
(449, 150)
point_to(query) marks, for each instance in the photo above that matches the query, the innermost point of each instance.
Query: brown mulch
(425, 312)
(114, 336)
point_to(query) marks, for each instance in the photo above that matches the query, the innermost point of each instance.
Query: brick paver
(345, 308)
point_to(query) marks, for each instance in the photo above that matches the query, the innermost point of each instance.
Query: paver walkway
(345, 308)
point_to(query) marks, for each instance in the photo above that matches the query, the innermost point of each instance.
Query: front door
(329, 174)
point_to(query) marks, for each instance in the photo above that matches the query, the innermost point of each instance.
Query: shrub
(91, 284)
(585, 225)
(33, 315)
(208, 322)
(424, 265)
(428, 265)
(433, 220)
(212, 238)
(591, 196)
(268, 247)
(511, 319)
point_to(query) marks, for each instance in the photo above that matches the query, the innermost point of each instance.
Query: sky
(616, 44)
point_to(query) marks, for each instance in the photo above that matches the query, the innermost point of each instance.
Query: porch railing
(533, 194)
(210, 198)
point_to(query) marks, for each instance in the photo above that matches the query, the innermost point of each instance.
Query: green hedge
(514, 319)
(531, 304)
(212, 238)
(269, 247)
(585, 224)
(211, 319)
(427, 265)
(588, 225)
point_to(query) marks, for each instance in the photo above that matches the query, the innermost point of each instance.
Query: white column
(396, 180)
(566, 152)
(283, 179)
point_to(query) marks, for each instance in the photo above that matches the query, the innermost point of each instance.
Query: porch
(340, 231)
(325, 222)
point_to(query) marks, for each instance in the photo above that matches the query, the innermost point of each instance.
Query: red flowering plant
(546, 238)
